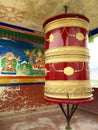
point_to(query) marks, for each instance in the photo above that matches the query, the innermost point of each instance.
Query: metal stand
(68, 113)
(71, 105)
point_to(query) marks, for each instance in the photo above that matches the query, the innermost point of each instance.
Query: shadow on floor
(50, 120)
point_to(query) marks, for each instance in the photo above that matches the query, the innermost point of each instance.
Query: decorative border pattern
(11, 14)
(20, 80)
(20, 33)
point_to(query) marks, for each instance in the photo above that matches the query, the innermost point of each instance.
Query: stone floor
(50, 120)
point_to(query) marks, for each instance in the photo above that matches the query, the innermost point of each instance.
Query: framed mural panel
(21, 62)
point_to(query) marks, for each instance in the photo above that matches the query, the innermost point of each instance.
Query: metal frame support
(68, 113)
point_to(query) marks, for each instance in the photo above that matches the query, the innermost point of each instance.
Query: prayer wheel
(67, 57)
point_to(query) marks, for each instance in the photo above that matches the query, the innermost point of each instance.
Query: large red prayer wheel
(67, 57)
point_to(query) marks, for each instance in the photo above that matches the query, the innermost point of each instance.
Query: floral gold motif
(51, 38)
(80, 36)
(68, 70)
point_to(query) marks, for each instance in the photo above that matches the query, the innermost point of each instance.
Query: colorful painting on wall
(21, 62)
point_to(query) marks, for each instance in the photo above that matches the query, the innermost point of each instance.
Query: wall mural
(19, 58)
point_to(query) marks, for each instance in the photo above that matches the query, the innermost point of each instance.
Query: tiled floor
(50, 120)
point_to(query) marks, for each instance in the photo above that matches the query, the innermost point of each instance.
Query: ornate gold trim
(52, 37)
(81, 95)
(64, 83)
(70, 88)
(79, 36)
(67, 58)
(66, 22)
(67, 70)
(67, 50)
(61, 88)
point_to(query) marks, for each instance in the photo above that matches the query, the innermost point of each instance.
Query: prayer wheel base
(69, 110)
(68, 128)
(68, 101)
(68, 89)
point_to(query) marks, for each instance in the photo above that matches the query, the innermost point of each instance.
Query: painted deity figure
(8, 63)
(39, 60)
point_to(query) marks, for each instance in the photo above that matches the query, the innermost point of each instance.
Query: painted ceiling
(33, 13)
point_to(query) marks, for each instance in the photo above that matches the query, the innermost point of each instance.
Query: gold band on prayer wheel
(67, 58)
(75, 88)
(66, 22)
(67, 50)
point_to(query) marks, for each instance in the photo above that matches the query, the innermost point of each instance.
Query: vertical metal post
(68, 112)
(65, 7)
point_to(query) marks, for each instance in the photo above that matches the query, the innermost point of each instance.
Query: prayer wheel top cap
(66, 15)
